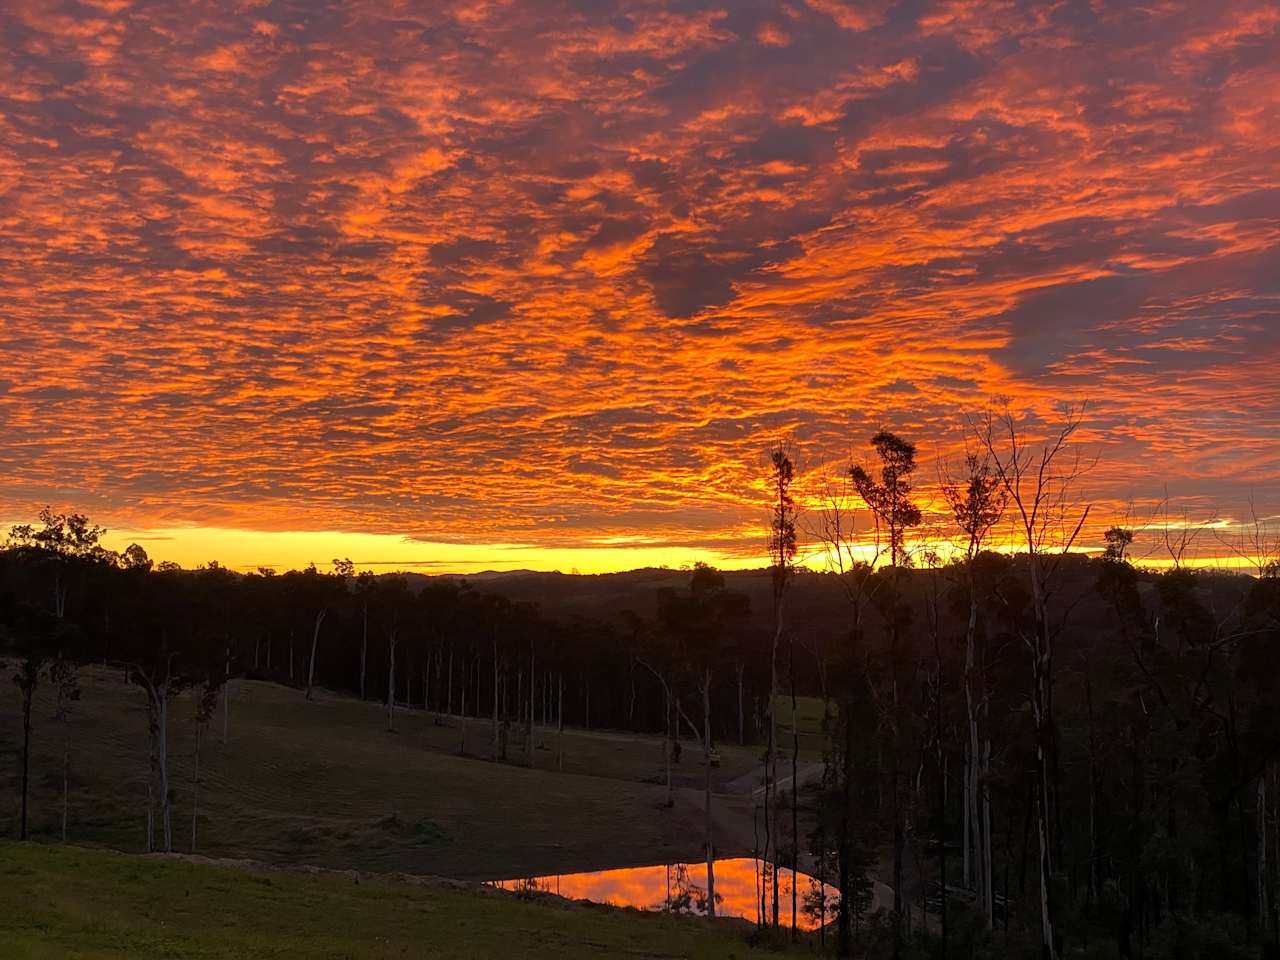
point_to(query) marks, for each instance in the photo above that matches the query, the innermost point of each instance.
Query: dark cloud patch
(1171, 320)
(687, 278)
(463, 250)
(472, 310)
(901, 386)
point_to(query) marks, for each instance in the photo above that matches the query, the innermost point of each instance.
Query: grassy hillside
(808, 716)
(322, 783)
(66, 902)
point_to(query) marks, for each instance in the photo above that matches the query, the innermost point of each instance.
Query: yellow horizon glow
(248, 550)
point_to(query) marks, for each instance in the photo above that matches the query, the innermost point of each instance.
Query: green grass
(808, 714)
(68, 902)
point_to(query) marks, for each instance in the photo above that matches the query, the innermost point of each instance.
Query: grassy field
(808, 715)
(322, 783)
(67, 902)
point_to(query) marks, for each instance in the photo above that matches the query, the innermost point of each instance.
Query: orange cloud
(533, 273)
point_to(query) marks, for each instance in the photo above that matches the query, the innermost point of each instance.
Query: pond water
(681, 888)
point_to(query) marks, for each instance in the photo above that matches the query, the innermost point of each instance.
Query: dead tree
(1040, 478)
(205, 706)
(27, 679)
(62, 675)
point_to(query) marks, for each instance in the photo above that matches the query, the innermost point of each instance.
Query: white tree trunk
(226, 697)
(670, 742)
(1042, 712)
(67, 771)
(462, 715)
(364, 647)
(391, 682)
(533, 679)
(195, 789)
(1263, 909)
(968, 832)
(166, 806)
(495, 695)
(988, 866)
(706, 759)
(771, 778)
(975, 843)
(742, 729)
(315, 640)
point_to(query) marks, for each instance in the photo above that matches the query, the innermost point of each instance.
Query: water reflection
(741, 885)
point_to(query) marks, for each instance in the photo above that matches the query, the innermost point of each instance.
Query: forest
(1042, 750)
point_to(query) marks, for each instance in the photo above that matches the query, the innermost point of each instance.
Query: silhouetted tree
(977, 500)
(700, 621)
(1040, 481)
(889, 497)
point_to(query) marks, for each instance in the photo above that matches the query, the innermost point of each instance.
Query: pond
(681, 888)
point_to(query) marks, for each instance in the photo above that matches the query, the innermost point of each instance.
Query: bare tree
(1256, 541)
(27, 679)
(1041, 479)
(66, 685)
(206, 703)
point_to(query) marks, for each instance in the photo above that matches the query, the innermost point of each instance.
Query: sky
(537, 284)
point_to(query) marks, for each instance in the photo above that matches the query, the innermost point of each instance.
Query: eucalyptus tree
(851, 561)
(27, 679)
(58, 542)
(345, 571)
(470, 638)
(493, 618)
(442, 604)
(66, 686)
(47, 556)
(977, 501)
(887, 492)
(168, 644)
(311, 595)
(394, 603)
(701, 622)
(656, 651)
(206, 704)
(782, 552)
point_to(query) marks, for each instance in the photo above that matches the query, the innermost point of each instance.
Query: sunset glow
(492, 286)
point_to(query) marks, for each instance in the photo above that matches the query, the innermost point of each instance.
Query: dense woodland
(1041, 753)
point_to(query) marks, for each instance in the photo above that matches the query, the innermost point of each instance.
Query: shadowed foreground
(75, 902)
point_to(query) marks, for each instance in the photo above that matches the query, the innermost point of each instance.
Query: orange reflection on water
(681, 887)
